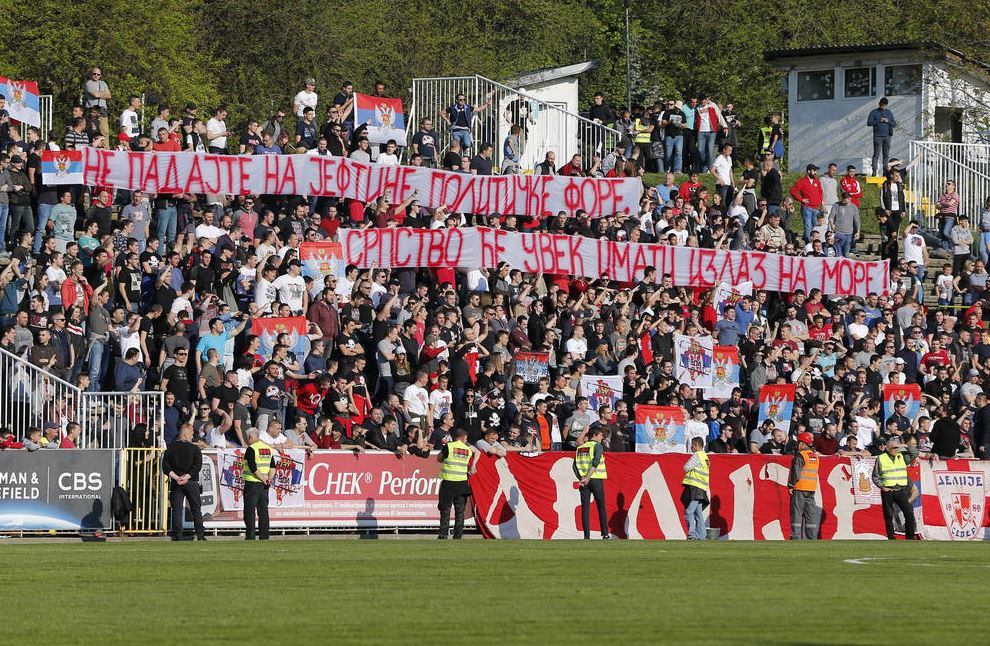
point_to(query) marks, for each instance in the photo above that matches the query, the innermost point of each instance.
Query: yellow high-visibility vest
(262, 460)
(583, 458)
(698, 476)
(893, 471)
(454, 468)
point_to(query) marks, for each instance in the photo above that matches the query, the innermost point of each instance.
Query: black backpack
(120, 505)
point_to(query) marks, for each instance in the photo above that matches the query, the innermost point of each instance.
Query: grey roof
(953, 55)
(551, 74)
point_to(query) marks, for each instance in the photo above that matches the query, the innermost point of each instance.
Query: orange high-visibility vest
(808, 481)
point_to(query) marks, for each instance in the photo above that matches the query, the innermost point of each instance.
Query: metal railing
(45, 108)
(934, 163)
(141, 475)
(546, 126)
(35, 397)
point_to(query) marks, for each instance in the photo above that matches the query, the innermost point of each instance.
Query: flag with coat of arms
(23, 100)
(61, 167)
(659, 429)
(383, 116)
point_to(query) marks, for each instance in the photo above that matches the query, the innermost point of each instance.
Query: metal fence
(546, 126)
(36, 397)
(45, 108)
(932, 164)
(141, 475)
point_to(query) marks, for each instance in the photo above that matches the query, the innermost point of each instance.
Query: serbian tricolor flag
(61, 167)
(383, 116)
(910, 394)
(659, 429)
(23, 100)
(268, 329)
(725, 372)
(777, 404)
(320, 259)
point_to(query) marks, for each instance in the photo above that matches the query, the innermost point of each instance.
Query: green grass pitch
(317, 591)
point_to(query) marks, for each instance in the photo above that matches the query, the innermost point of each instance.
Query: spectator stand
(546, 113)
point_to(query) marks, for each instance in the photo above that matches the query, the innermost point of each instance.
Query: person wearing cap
(306, 98)
(890, 475)
(803, 483)
(883, 123)
(808, 191)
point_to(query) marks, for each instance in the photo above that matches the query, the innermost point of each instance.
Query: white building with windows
(935, 93)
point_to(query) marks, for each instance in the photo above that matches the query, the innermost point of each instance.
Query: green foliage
(254, 54)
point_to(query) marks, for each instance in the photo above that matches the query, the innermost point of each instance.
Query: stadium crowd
(121, 291)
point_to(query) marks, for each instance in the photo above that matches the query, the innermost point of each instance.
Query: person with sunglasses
(460, 117)
(96, 93)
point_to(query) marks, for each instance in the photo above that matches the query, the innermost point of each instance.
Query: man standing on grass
(182, 463)
(457, 460)
(589, 467)
(803, 482)
(890, 474)
(695, 494)
(258, 464)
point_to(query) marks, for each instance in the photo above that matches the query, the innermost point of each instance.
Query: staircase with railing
(933, 163)
(32, 396)
(548, 126)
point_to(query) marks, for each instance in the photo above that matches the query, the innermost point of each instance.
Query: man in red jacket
(808, 191)
(851, 185)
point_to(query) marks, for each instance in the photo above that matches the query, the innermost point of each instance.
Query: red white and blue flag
(383, 116)
(23, 100)
(777, 404)
(910, 394)
(62, 167)
(659, 429)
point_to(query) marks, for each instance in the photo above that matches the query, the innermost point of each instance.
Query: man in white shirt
(915, 249)
(273, 436)
(291, 288)
(441, 400)
(305, 98)
(721, 170)
(216, 131)
(695, 426)
(129, 123)
(577, 345)
(830, 188)
(867, 428)
(416, 402)
(265, 291)
(209, 230)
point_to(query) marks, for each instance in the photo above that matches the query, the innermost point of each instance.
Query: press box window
(816, 86)
(902, 79)
(860, 82)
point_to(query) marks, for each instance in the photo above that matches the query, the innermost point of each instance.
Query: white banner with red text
(620, 261)
(538, 498)
(534, 195)
(330, 489)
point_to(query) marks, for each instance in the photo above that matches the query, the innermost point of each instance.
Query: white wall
(822, 132)
(948, 87)
(553, 130)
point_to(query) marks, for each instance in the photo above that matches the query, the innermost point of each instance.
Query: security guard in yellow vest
(457, 460)
(803, 483)
(589, 467)
(694, 497)
(642, 131)
(257, 465)
(890, 474)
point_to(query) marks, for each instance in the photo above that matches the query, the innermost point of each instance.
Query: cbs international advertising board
(60, 490)
(327, 489)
